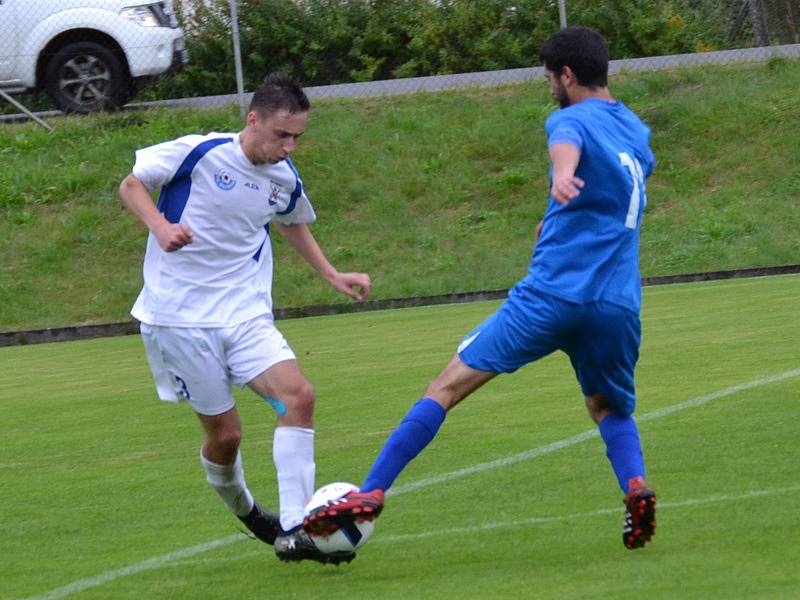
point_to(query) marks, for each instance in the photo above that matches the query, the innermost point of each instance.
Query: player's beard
(560, 94)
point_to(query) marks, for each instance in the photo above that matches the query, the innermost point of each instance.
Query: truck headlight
(141, 15)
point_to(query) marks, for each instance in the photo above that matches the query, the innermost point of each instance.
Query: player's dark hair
(581, 49)
(279, 92)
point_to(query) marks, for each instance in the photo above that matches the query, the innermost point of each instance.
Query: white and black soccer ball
(347, 539)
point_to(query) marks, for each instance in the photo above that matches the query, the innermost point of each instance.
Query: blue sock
(415, 432)
(622, 448)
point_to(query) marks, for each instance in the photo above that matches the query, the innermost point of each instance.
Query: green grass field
(103, 496)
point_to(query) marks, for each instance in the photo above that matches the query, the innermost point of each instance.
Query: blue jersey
(589, 249)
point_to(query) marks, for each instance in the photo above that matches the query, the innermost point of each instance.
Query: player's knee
(300, 404)
(598, 407)
(227, 440)
(444, 394)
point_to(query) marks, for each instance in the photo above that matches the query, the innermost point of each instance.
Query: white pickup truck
(87, 54)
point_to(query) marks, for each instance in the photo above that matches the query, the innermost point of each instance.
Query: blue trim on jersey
(257, 255)
(175, 194)
(298, 191)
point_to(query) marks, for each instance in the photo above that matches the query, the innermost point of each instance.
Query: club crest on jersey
(274, 193)
(224, 180)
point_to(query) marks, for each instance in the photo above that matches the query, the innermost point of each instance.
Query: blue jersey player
(581, 295)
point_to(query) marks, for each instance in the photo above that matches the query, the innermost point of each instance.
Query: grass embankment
(430, 193)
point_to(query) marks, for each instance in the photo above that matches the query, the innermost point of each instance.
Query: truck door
(8, 45)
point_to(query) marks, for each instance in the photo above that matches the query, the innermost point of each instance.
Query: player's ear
(253, 117)
(568, 76)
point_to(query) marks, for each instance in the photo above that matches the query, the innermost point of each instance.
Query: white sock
(293, 454)
(228, 481)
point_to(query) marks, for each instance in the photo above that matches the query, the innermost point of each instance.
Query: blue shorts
(600, 338)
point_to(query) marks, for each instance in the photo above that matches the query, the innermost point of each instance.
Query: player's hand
(566, 188)
(355, 285)
(173, 236)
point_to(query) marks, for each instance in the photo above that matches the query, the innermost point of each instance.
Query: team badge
(224, 180)
(274, 193)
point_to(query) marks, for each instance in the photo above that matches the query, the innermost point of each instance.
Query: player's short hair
(279, 92)
(581, 49)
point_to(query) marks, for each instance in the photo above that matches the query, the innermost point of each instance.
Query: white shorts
(199, 365)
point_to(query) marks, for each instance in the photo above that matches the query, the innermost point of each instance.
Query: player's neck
(580, 93)
(244, 144)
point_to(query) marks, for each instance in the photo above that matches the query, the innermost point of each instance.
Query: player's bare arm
(354, 285)
(566, 186)
(136, 198)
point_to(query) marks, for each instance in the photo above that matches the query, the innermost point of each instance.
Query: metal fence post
(562, 13)
(759, 22)
(237, 57)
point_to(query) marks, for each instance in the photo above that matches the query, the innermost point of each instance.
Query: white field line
(145, 565)
(164, 559)
(586, 435)
(603, 511)
(529, 521)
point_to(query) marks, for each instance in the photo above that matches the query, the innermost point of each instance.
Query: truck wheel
(84, 77)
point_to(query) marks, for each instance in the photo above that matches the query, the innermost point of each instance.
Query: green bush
(322, 42)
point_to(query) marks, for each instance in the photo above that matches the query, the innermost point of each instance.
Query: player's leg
(260, 357)
(191, 361)
(293, 455)
(513, 336)
(422, 422)
(293, 441)
(604, 358)
(415, 432)
(624, 452)
(222, 463)
(621, 437)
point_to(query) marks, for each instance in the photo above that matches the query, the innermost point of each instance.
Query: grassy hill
(430, 193)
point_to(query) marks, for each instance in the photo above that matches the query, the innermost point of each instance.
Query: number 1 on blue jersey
(638, 194)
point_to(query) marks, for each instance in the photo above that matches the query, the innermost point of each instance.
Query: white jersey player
(206, 309)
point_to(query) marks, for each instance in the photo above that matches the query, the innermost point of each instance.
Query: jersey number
(638, 194)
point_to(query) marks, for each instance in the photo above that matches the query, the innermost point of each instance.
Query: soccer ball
(346, 539)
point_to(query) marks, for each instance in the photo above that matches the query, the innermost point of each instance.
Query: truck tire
(84, 77)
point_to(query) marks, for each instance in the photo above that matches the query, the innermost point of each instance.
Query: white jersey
(224, 277)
